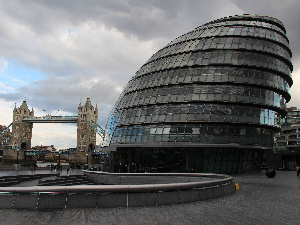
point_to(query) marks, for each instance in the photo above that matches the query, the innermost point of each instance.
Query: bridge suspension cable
(7, 139)
(99, 130)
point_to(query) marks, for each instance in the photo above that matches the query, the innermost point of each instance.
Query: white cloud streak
(3, 65)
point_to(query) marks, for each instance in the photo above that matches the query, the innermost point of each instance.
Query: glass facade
(175, 159)
(216, 94)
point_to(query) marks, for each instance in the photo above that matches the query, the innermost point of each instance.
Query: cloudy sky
(57, 53)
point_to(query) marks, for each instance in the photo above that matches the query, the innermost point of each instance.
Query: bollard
(237, 187)
(270, 173)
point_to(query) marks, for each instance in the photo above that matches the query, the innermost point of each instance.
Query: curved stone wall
(115, 191)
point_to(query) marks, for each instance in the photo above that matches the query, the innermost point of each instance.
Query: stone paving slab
(260, 200)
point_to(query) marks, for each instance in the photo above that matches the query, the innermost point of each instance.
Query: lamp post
(17, 156)
(87, 158)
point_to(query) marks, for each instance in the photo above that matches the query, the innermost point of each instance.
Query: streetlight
(17, 156)
(87, 158)
(59, 158)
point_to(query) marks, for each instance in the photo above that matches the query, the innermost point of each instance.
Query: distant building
(22, 131)
(44, 148)
(4, 137)
(288, 139)
(86, 134)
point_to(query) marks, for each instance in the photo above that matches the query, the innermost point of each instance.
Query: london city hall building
(209, 101)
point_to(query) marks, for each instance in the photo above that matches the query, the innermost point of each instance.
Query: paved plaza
(260, 200)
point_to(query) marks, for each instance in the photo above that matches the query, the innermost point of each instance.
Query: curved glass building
(209, 101)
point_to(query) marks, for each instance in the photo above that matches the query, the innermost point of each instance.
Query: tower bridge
(23, 119)
(51, 119)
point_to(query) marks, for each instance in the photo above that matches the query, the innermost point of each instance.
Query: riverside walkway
(260, 200)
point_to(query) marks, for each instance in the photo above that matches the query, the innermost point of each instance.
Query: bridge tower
(21, 131)
(86, 134)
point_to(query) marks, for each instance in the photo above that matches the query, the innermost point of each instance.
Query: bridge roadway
(51, 119)
(260, 200)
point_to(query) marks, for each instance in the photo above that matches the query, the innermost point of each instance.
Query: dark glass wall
(224, 83)
(187, 159)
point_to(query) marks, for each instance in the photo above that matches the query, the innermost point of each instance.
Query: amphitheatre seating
(6, 181)
(67, 181)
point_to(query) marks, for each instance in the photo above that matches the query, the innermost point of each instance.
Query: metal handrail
(218, 181)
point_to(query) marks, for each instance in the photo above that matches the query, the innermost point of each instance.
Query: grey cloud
(144, 19)
(66, 94)
(286, 11)
(62, 93)
(110, 59)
